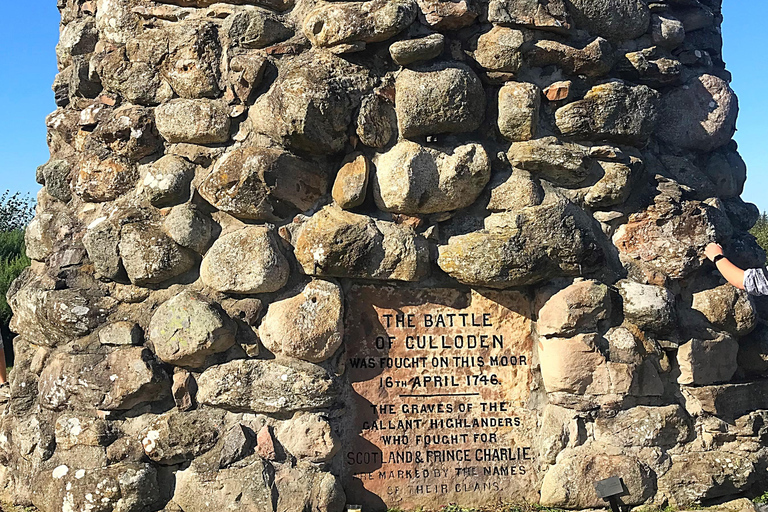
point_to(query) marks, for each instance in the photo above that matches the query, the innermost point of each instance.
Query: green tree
(16, 210)
(760, 231)
(12, 261)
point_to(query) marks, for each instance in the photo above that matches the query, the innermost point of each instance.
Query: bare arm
(730, 272)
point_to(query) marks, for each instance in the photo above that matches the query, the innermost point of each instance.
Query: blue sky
(29, 32)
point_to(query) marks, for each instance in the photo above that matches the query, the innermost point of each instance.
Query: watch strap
(718, 258)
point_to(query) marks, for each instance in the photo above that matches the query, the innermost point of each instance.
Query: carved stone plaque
(441, 383)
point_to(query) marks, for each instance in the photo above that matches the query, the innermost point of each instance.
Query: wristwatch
(717, 258)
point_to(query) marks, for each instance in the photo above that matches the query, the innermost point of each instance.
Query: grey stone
(74, 429)
(128, 131)
(743, 216)
(124, 487)
(310, 105)
(593, 60)
(727, 308)
(104, 177)
(309, 436)
(519, 104)
(306, 488)
(337, 243)
(167, 181)
(83, 82)
(246, 73)
(514, 190)
(700, 115)
(116, 21)
(707, 361)
(615, 186)
(57, 175)
(543, 15)
(569, 483)
(653, 67)
(51, 317)
(244, 484)
(101, 242)
(254, 183)
(339, 23)
(176, 437)
(266, 386)
(645, 426)
(562, 163)
(500, 49)
(647, 306)
(726, 401)
(151, 257)
(275, 5)
(753, 351)
(239, 442)
(539, 243)
(414, 179)
(376, 121)
(193, 61)
(196, 121)
(667, 31)
(307, 326)
(245, 261)
(38, 237)
(78, 37)
(698, 476)
(560, 428)
(189, 327)
(614, 111)
(132, 69)
(624, 344)
(257, 28)
(442, 98)
(417, 50)
(578, 308)
(611, 19)
(189, 227)
(695, 16)
(118, 381)
(121, 334)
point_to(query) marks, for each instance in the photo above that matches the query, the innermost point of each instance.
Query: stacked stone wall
(242, 195)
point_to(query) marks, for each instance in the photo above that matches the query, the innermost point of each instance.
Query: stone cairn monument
(294, 255)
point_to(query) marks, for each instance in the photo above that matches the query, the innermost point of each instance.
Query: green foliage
(12, 261)
(7, 507)
(763, 498)
(760, 231)
(16, 211)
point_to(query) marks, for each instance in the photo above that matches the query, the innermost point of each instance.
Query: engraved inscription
(441, 382)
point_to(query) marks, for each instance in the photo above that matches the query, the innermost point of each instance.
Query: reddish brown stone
(432, 397)
(265, 443)
(183, 389)
(447, 14)
(558, 91)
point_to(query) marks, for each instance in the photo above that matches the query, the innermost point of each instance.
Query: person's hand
(712, 250)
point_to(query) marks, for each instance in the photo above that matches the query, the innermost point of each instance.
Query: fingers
(713, 250)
